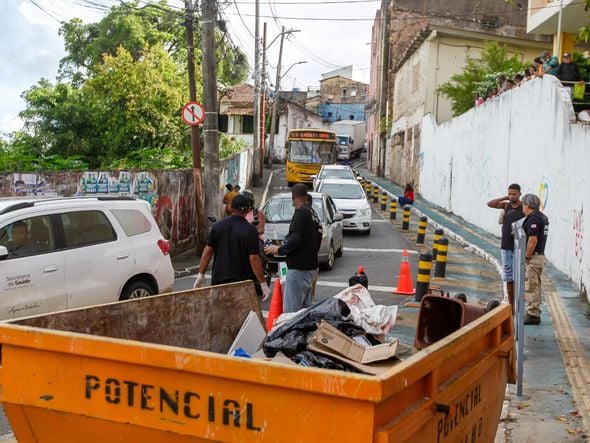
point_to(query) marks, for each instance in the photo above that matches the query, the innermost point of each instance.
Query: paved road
(379, 253)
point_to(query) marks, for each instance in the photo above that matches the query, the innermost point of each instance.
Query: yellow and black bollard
(368, 188)
(375, 194)
(406, 218)
(383, 200)
(393, 209)
(423, 221)
(438, 233)
(441, 257)
(423, 277)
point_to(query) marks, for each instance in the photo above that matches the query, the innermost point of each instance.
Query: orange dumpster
(152, 370)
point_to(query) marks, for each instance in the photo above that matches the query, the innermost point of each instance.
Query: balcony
(543, 16)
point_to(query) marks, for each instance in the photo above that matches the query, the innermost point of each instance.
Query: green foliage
(583, 65)
(478, 76)
(122, 85)
(584, 33)
(230, 146)
(23, 155)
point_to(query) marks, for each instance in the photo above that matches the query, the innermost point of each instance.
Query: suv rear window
(132, 221)
(83, 228)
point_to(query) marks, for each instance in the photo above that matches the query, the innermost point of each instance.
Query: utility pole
(256, 135)
(273, 115)
(201, 231)
(262, 122)
(211, 124)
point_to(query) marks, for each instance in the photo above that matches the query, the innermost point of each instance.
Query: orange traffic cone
(276, 305)
(404, 281)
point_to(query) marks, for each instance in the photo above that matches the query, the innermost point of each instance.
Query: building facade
(342, 95)
(420, 55)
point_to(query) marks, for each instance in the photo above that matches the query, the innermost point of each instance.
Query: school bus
(307, 151)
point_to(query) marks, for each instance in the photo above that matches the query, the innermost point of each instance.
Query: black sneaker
(531, 320)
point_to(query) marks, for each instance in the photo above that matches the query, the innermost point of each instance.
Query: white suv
(66, 253)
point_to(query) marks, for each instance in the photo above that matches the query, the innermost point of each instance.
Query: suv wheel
(136, 289)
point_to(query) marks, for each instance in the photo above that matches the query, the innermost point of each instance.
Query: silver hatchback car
(278, 212)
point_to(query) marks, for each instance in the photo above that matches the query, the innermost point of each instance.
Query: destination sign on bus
(313, 134)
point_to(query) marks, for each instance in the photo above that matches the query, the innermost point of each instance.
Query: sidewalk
(187, 263)
(555, 406)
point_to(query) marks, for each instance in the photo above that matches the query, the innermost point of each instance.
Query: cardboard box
(376, 368)
(331, 338)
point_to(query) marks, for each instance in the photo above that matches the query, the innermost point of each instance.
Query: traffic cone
(276, 305)
(404, 281)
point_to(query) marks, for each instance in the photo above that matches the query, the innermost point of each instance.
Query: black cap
(240, 202)
(567, 54)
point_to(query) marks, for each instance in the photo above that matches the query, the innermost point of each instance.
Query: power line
(413, 17)
(242, 19)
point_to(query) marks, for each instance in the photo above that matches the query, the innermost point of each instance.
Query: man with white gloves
(233, 244)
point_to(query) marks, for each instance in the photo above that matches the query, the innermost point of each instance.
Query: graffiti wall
(171, 194)
(526, 137)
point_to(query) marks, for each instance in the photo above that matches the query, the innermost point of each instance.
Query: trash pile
(346, 332)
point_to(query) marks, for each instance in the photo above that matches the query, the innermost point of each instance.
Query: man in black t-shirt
(536, 227)
(233, 244)
(301, 250)
(512, 207)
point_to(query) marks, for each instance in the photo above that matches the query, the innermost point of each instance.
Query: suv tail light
(164, 246)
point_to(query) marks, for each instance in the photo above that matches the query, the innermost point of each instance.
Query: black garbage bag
(309, 359)
(292, 336)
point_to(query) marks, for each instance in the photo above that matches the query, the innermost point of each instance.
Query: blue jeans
(507, 256)
(403, 201)
(298, 289)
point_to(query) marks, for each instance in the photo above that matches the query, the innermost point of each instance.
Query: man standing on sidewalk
(233, 244)
(301, 250)
(536, 227)
(512, 207)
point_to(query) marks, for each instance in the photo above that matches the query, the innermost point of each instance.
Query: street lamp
(273, 116)
(288, 69)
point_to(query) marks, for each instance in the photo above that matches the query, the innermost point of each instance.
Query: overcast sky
(32, 48)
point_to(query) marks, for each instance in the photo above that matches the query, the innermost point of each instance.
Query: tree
(122, 84)
(478, 75)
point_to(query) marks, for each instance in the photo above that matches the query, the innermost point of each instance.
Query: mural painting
(579, 233)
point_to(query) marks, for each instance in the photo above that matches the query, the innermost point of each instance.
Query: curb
(453, 235)
(178, 273)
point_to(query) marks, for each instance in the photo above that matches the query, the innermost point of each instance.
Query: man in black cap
(567, 70)
(301, 250)
(233, 244)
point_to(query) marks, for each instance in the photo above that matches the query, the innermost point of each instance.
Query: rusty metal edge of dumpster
(431, 357)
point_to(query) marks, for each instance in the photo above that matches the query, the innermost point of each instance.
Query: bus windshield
(312, 152)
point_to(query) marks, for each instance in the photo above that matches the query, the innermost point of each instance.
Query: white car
(332, 171)
(66, 253)
(351, 202)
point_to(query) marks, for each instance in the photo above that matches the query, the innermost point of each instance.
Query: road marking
(379, 221)
(337, 284)
(577, 364)
(378, 250)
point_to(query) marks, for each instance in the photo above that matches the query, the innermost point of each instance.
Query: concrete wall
(171, 192)
(524, 136)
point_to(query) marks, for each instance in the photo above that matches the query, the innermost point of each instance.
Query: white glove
(265, 291)
(200, 281)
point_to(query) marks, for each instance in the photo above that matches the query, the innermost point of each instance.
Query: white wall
(524, 136)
